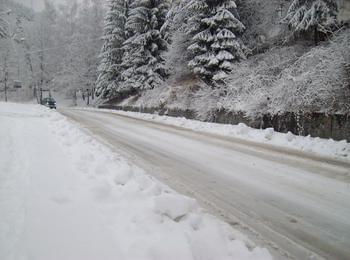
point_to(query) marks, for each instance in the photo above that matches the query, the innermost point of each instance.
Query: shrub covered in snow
(284, 81)
(317, 81)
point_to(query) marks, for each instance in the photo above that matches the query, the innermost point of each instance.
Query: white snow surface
(64, 195)
(339, 150)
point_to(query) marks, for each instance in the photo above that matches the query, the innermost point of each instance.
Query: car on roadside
(49, 102)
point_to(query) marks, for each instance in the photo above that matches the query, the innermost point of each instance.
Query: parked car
(49, 102)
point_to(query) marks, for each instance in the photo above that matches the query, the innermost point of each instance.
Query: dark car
(49, 102)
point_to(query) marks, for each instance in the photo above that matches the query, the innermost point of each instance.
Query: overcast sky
(37, 4)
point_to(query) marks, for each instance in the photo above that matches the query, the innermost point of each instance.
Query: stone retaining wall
(315, 124)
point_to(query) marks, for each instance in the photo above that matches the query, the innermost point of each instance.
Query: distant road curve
(297, 207)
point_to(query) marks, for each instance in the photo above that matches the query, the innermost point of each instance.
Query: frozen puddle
(63, 195)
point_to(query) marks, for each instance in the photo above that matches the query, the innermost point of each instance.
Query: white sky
(37, 4)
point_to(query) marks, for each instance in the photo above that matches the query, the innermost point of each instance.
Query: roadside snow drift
(63, 195)
(325, 147)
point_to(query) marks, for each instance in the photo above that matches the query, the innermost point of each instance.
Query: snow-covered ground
(64, 195)
(325, 147)
(295, 204)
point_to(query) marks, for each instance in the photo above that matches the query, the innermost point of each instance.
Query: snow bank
(325, 147)
(77, 199)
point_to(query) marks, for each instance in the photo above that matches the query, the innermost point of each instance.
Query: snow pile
(318, 146)
(174, 206)
(64, 195)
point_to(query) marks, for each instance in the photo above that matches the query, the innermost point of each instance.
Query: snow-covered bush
(317, 81)
(248, 88)
(293, 79)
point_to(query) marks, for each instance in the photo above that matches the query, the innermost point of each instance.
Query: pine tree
(215, 46)
(142, 62)
(112, 52)
(315, 16)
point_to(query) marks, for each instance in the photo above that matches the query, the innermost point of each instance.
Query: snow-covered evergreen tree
(215, 47)
(316, 16)
(112, 52)
(142, 62)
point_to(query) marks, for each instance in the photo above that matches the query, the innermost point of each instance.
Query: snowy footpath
(64, 195)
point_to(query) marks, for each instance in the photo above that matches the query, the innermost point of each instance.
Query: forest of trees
(122, 48)
(206, 34)
(56, 48)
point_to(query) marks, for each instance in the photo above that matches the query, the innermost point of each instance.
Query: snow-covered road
(294, 205)
(64, 195)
